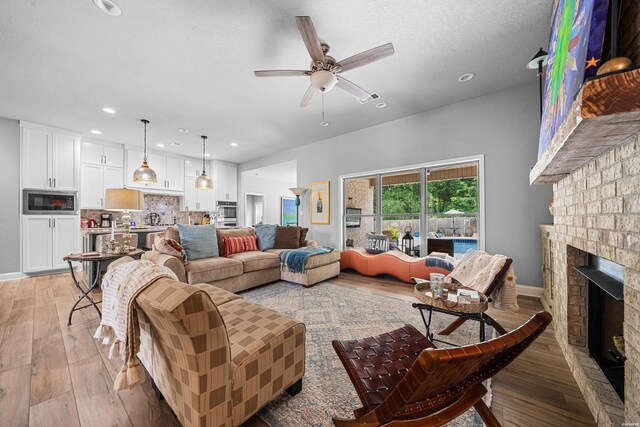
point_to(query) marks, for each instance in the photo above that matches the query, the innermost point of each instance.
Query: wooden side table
(96, 258)
(473, 311)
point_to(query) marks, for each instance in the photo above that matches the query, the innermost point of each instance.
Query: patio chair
(403, 380)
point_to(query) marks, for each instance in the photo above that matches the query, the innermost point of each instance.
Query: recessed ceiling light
(109, 110)
(175, 144)
(381, 105)
(324, 124)
(234, 144)
(108, 7)
(159, 145)
(183, 130)
(207, 154)
(466, 77)
(95, 132)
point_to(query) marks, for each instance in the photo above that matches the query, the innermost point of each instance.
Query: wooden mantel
(605, 112)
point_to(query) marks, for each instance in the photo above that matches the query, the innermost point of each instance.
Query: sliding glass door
(438, 205)
(452, 208)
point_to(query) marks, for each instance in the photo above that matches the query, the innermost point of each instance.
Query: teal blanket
(295, 260)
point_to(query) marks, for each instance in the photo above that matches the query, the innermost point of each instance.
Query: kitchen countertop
(137, 229)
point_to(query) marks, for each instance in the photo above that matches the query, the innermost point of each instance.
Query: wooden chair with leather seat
(403, 380)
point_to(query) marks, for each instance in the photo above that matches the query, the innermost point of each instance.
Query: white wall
(504, 126)
(272, 190)
(10, 195)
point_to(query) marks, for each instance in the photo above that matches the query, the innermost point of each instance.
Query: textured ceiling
(189, 64)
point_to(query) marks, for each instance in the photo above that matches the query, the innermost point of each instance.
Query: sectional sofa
(244, 270)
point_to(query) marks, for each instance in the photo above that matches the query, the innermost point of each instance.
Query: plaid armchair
(215, 357)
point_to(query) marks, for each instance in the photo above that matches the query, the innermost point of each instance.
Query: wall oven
(38, 202)
(227, 213)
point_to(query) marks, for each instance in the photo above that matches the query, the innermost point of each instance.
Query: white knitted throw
(118, 326)
(477, 269)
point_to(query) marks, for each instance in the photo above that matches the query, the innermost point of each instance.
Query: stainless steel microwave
(39, 202)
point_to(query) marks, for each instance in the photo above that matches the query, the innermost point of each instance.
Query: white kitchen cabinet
(92, 188)
(36, 240)
(113, 156)
(169, 170)
(92, 153)
(112, 177)
(102, 154)
(47, 239)
(95, 180)
(193, 168)
(101, 169)
(50, 158)
(225, 182)
(174, 174)
(197, 200)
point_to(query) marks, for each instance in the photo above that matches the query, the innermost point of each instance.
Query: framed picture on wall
(353, 222)
(287, 211)
(319, 202)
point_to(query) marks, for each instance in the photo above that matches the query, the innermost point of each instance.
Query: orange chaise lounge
(395, 263)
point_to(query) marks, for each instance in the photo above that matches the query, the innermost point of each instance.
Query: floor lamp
(298, 191)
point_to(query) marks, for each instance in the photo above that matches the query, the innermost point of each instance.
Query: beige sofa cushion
(314, 261)
(256, 260)
(212, 269)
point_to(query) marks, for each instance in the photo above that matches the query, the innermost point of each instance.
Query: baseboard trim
(529, 291)
(11, 276)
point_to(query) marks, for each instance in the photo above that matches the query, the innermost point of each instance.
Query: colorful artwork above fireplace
(574, 50)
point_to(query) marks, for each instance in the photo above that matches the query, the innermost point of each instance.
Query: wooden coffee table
(96, 258)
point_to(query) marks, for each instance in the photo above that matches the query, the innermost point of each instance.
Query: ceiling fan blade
(310, 38)
(281, 73)
(308, 96)
(352, 88)
(366, 57)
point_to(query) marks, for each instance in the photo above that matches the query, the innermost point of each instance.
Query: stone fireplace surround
(597, 211)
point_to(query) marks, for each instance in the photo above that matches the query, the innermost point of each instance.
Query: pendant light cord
(145, 138)
(204, 169)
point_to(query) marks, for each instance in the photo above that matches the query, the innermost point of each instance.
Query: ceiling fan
(325, 70)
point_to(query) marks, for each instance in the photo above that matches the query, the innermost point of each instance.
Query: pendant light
(144, 174)
(204, 182)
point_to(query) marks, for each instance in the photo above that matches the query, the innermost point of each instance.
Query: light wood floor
(52, 374)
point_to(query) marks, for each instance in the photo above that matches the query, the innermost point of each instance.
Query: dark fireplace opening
(605, 318)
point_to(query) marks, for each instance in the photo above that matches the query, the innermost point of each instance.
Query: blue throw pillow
(266, 236)
(198, 241)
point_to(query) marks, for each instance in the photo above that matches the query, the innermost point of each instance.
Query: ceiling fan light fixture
(323, 80)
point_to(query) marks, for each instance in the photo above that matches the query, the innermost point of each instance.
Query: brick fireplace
(597, 211)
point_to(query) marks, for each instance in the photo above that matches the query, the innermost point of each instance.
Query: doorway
(254, 208)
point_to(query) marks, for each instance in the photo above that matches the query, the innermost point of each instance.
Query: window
(442, 199)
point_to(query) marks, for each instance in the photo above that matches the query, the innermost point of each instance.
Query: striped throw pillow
(233, 245)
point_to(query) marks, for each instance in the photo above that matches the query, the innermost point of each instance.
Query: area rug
(331, 312)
